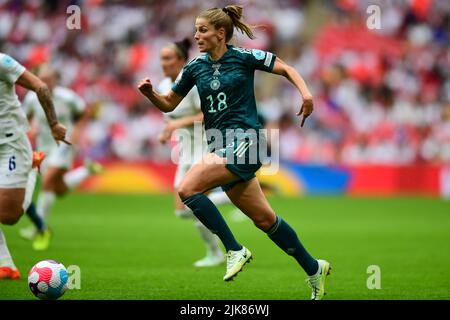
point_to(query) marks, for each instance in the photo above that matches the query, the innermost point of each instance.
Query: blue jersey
(226, 87)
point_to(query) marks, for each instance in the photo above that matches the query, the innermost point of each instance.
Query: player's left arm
(80, 117)
(283, 69)
(31, 82)
(178, 124)
(187, 121)
(80, 121)
(28, 106)
(165, 103)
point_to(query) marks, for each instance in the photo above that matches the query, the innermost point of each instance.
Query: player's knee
(11, 217)
(50, 181)
(9, 220)
(262, 224)
(60, 190)
(186, 190)
(266, 222)
(47, 184)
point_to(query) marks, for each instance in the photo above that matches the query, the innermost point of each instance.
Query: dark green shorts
(243, 156)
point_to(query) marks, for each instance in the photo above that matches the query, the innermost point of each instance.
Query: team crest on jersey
(215, 84)
(258, 54)
(7, 61)
(216, 69)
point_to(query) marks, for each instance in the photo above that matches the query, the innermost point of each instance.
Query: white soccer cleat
(237, 215)
(317, 281)
(211, 260)
(93, 167)
(184, 214)
(236, 261)
(28, 233)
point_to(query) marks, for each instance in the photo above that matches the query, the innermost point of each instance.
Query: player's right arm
(282, 68)
(31, 82)
(28, 106)
(165, 103)
(173, 125)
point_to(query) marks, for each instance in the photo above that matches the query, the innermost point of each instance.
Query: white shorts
(191, 152)
(181, 172)
(15, 162)
(61, 156)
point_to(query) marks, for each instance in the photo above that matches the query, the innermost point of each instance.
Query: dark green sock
(207, 213)
(35, 218)
(285, 237)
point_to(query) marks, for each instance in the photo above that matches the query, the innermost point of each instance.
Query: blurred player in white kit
(57, 180)
(17, 175)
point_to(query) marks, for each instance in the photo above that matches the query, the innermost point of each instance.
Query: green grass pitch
(133, 247)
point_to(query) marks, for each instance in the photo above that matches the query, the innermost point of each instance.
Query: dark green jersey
(226, 86)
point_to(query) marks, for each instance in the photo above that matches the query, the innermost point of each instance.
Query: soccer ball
(48, 279)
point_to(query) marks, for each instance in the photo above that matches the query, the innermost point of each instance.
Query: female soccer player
(17, 178)
(57, 180)
(173, 57)
(224, 76)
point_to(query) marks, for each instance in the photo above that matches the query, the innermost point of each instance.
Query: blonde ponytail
(229, 18)
(235, 13)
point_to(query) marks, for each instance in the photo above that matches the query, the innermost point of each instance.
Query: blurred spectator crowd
(382, 96)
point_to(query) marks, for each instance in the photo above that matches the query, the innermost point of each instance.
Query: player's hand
(163, 138)
(167, 133)
(306, 109)
(145, 87)
(33, 133)
(59, 133)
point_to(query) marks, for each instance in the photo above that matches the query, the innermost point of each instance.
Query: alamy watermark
(74, 279)
(374, 279)
(237, 146)
(73, 21)
(374, 19)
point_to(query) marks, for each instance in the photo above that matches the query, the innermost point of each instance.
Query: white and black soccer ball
(48, 279)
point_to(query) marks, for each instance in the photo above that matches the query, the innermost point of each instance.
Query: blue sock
(285, 237)
(35, 218)
(207, 213)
